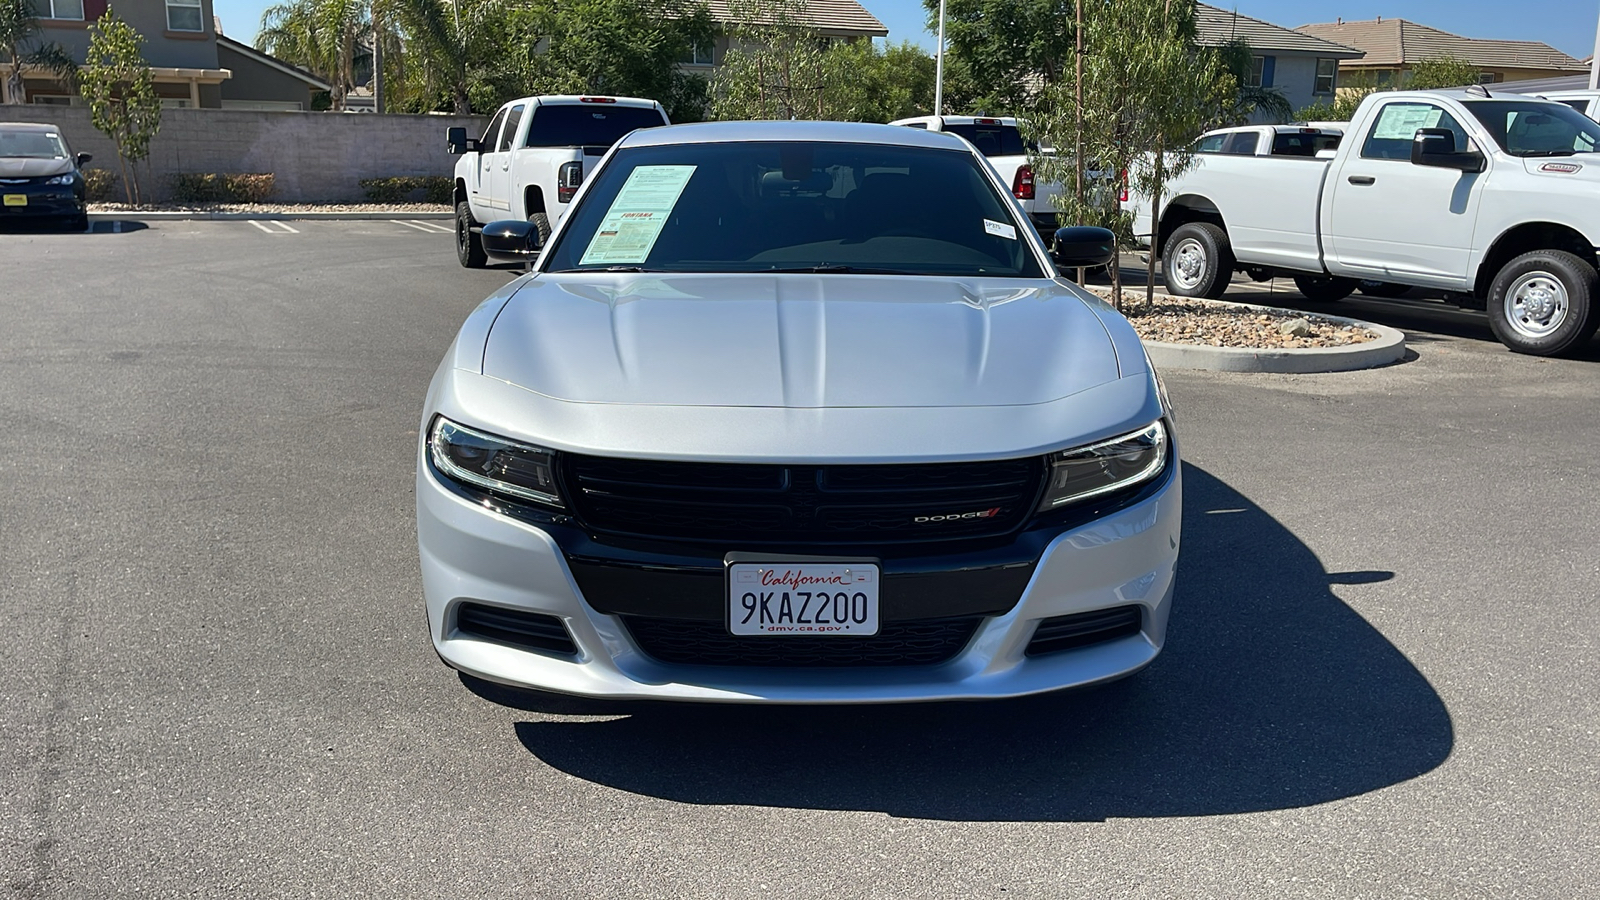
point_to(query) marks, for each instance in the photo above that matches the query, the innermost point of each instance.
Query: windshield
(794, 206)
(32, 145)
(992, 140)
(1535, 128)
(587, 124)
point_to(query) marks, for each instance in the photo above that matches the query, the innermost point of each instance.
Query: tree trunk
(1155, 232)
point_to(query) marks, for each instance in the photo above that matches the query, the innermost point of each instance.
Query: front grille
(1082, 629)
(911, 643)
(754, 504)
(525, 630)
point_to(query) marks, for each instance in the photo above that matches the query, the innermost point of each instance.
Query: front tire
(541, 223)
(469, 244)
(1324, 288)
(1542, 303)
(1197, 261)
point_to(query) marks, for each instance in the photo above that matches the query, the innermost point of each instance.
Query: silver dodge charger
(796, 412)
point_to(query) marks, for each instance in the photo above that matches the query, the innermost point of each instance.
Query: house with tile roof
(1393, 46)
(1304, 68)
(840, 20)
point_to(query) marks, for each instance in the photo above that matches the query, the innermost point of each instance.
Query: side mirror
(1437, 147)
(511, 240)
(1083, 246)
(459, 142)
(83, 159)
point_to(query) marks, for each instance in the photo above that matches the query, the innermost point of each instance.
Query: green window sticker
(629, 230)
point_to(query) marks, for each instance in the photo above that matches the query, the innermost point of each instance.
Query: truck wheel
(1385, 289)
(1197, 261)
(1542, 303)
(469, 245)
(1324, 288)
(541, 222)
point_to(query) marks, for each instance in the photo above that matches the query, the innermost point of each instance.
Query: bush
(100, 184)
(208, 187)
(405, 189)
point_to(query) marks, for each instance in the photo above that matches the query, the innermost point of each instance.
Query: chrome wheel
(1536, 304)
(1188, 261)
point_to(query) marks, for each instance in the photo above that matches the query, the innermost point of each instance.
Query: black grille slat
(1083, 629)
(527, 630)
(754, 503)
(912, 643)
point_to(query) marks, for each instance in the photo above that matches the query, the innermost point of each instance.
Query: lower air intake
(524, 630)
(922, 642)
(1082, 629)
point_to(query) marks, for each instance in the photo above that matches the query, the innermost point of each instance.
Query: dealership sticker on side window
(1000, 229)
(629, 230)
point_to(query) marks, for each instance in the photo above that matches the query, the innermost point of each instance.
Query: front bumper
(51, 201)
(473, 554)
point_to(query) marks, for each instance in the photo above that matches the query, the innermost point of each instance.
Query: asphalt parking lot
(1381, 677)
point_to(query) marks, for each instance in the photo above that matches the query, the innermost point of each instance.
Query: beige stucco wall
(316, 157)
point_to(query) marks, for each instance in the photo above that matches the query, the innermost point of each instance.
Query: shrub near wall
(100, 184)
(208, 187)
(408, 188)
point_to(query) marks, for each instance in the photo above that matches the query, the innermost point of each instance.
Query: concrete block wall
(314, 157)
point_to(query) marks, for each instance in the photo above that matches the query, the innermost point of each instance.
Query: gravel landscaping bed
(267, 208)
(1210, 323)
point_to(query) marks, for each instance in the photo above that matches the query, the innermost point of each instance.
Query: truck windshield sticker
(1000, 229)
(629, 230)
(1400, 121)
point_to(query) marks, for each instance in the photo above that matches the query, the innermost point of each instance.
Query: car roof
(578, 99)
(831, 132)
(29, 126)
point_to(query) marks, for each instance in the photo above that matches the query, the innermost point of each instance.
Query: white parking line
(433, 227)
(261, 226)
(415, 225)
(285, 227)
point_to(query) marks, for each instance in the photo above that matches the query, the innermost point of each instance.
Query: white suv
(530, 160)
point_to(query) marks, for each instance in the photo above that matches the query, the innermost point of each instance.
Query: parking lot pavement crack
(41, 855)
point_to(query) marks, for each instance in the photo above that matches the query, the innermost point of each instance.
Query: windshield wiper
(833, 269)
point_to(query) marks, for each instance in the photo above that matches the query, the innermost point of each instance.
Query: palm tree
(449, 39)
(318, 35)
(19, 28)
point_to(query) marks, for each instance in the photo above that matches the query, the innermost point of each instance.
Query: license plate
(16, 200)
(803, 598)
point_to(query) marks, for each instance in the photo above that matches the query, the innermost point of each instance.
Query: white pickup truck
(530, 160)
(1491, 198)
(1001, 143)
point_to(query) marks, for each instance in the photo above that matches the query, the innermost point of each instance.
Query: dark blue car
(40, 178)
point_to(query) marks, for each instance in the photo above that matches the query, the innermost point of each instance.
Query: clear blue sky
(1567, 25)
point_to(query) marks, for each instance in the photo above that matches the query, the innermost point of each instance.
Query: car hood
(29, 167)
(798, 341)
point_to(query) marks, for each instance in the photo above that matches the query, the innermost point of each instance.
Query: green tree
(1009, 49)
(1147, 90)
(19, 39)
(466, 52)
(321, 35)
(116, 82)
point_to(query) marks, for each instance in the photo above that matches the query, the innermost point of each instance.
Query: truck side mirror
(459, 142)
(511, 240)
(1437, 147)
(1083, 247)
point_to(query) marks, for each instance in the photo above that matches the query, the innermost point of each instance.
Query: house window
(60, 9)
(699, 55)
(1327, 76)
(1385, 78)
(1257, 65)
(184, 15)
(54, 100)
(1489, 78)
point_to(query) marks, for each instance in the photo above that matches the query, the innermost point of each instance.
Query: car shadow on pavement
(1271, 694)
(97, 226)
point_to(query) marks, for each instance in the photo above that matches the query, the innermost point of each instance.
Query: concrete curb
(181, 216)
(1388, 348)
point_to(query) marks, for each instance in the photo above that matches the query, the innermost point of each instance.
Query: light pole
(938, 67)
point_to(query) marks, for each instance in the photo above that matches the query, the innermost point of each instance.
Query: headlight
(493, 463)
(60, 179)
(1107, 466)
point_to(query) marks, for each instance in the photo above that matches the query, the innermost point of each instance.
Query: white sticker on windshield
(1000, 229)
(1400, 121)
(629, 230)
